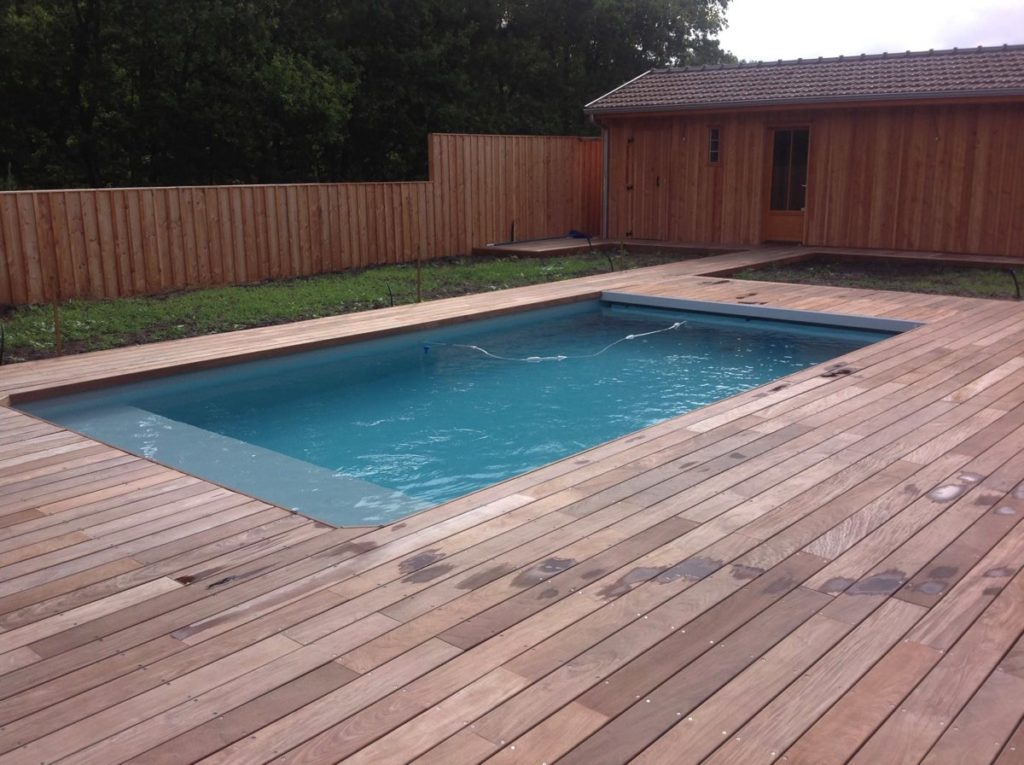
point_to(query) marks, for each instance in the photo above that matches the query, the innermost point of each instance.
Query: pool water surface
(369, 432)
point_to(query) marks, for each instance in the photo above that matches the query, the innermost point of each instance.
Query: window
(714, 139)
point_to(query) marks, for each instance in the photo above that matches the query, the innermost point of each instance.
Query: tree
(518, 66)
(150, 92)
(559, 56)
(169, 91)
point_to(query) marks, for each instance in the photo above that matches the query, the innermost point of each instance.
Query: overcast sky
(766, 30)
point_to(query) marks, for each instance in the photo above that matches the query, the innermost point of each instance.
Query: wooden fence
(108, 243)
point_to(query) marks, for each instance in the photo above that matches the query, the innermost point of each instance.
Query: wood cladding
(943, 178)
(109, 243)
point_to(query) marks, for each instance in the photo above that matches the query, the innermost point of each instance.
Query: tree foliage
(150, 92)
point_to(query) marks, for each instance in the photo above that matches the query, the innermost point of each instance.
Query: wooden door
(787, 192)
(630, 187)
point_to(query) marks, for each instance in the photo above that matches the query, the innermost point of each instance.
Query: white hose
(538, 359)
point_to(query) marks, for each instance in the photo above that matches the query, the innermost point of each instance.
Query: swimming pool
(372, 431)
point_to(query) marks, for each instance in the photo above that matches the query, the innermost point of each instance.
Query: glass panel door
(789, 169)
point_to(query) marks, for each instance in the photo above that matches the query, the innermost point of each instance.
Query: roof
(967, 73)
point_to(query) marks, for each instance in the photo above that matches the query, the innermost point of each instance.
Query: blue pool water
(366, 433)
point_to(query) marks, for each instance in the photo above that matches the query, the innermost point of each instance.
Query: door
(630, 195)
(787, 194)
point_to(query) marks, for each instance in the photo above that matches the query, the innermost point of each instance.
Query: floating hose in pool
(538, 359)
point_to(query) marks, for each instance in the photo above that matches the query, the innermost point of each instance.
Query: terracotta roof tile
(929, 74)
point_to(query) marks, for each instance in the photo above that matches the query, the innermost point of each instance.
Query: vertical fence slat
(308, 221)
(76, 244)
(408, 255)
(227, 245)
(199, 226)
(438, 192)
(354, 221)
(163, 239)
(7, 262)
(305, 248)
(175, 246)
(273, 252)
(251, 254)
(393, 207)
(62, 249)
(324, 228)
(30, 248)
(238, 248)
(390, 197)
(186, 206)
(214, 240)
(393, 244)
(105, 253)
(49, 267)
(334, 216)
(380, 217)
(119, 230)
(284, 239)
(136, 256)
(367, 225)
(259, 257)
(315, 239)
(372, 213)
(12, 240)
(294, 254)
(221, 247)
(431, 249)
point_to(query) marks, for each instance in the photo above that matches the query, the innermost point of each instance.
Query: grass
(905, 276)
(90, 325)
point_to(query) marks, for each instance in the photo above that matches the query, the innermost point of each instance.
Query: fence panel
(110, 243)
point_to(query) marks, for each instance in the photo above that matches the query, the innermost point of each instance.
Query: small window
(714, 140)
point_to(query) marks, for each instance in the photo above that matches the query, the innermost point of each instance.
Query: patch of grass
(90, 325)
(934, 278)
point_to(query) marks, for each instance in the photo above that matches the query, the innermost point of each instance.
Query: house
(910, 151)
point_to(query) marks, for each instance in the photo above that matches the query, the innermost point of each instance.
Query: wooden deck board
(825, 568)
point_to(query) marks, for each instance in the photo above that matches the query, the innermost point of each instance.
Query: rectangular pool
(372, 431)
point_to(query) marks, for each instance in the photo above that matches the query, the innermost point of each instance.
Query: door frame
(788, 220)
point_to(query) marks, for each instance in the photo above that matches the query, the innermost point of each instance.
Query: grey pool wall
(820, 318)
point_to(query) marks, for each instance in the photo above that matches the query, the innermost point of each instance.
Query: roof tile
(911, 75)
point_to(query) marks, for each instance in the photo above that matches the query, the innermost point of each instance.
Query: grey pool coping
(270, 476)
(851, 321)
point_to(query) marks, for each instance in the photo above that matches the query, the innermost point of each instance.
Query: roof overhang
(983, 74)
(921, 99)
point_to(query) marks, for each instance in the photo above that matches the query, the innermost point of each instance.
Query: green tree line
(156, 92)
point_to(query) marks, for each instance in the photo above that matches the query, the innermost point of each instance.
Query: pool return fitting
(539, 359)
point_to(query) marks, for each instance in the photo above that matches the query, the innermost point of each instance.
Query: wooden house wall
(946, 178)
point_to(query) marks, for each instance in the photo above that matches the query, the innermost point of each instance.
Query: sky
(767, 30)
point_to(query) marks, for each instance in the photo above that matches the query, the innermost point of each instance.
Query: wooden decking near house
(824, 569)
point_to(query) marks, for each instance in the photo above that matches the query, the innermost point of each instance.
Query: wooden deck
(825, 569)
(566, 245)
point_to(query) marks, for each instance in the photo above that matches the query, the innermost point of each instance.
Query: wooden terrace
(824, 569)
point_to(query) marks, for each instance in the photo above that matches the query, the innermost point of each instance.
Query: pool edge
(824, 318)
